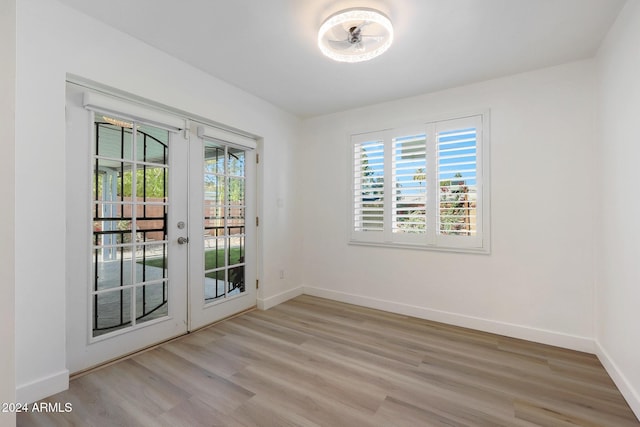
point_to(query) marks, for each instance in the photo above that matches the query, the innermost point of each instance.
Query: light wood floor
(314, 362)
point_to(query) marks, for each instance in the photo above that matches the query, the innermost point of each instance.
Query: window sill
(433, 248)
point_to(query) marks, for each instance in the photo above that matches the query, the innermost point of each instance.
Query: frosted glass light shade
(355, 35)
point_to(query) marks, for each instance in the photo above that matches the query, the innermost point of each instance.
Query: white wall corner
(267, 303)
(7, 194)
(631, 395)
(43, 387)
(558, 339)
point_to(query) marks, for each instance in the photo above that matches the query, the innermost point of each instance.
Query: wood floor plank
(207, 357)
(259, 412)
(200, 382)
(194, 412)
(303, 399)
(545, 411)
(396, 413)
(314, 362)
(514, 379)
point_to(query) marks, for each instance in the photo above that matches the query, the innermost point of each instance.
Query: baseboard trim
(542, 336)
(267, 303)
(43, 387)
(631, 395)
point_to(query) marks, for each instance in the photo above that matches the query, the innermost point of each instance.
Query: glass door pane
(129, 208)
(224, 221)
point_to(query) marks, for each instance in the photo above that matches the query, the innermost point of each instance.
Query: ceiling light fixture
(355, 35)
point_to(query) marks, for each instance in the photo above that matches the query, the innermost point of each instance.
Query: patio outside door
(222, 244)
(158, 243)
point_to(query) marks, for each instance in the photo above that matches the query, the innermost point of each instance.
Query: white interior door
(222, 232)
(127, 208)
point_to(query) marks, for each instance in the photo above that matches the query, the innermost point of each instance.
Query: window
(424, 186)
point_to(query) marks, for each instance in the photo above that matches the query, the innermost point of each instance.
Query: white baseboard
(43, 387)
(631, 395)
(558, 339)
(267, 303)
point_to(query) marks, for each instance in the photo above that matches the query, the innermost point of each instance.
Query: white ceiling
(269, 48)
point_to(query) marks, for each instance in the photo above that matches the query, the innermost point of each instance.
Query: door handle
(183, 240)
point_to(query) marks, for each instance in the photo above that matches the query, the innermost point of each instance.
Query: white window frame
(432, 238)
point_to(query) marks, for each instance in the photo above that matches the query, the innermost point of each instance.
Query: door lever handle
(183, 240)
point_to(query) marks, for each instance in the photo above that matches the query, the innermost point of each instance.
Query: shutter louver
(368, 190)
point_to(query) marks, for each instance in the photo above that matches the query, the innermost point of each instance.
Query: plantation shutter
(422, 186)
(409, 187)
(368, 187)
(458, 174)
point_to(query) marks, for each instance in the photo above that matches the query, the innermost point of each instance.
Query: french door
(158, 243)
(222, 233)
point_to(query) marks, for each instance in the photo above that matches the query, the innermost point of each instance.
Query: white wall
(54, 40)
(618, 279)
(538, 281)
(7, 195)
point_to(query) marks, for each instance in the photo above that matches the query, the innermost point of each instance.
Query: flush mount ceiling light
(355, 35)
